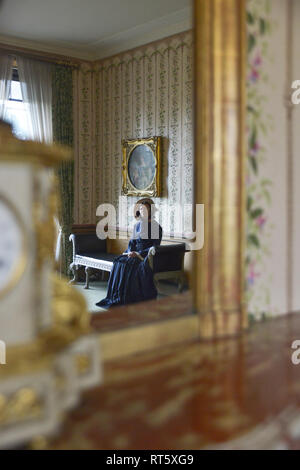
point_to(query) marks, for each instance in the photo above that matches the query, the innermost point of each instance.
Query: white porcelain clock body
(12, 246)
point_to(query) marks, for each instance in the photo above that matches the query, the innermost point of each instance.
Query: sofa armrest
(151, 254)
(73, 241)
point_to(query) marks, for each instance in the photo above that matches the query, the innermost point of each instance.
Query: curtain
(62, 112)
(36, 86)
(5, 78)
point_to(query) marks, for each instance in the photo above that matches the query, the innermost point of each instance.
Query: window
(16, 111)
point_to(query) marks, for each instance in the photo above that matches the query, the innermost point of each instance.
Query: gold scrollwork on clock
(13, 246)
(45, 229)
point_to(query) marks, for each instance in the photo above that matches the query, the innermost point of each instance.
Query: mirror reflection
(141, 252)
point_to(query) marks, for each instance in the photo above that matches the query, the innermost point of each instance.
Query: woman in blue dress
(131, 279)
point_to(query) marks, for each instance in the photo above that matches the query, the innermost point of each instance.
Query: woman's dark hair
(145, 202)
(148, 205)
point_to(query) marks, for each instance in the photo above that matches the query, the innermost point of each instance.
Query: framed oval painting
(141, 167)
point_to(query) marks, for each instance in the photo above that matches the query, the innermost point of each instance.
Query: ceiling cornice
(140, 35)
(76, 53)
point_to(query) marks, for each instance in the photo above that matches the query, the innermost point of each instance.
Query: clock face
(12, 247)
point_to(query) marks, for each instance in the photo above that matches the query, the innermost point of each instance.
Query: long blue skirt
(130, 281)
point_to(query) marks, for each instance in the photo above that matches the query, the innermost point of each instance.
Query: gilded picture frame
(141, 168)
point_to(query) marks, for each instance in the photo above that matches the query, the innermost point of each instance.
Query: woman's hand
(133, 254)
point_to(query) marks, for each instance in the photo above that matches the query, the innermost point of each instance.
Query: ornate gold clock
(13, 246)
(44, 324)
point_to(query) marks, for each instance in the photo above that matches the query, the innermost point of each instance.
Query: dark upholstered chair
(166, 261)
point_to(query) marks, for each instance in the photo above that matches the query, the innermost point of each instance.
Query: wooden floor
(236, 393)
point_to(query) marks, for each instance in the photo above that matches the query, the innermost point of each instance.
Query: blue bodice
(145, 234)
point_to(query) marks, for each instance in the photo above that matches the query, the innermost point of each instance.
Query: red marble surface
(196, 395)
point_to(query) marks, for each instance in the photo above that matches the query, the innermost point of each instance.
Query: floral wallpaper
(83, 143)
(143, 93)
(259, 198)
